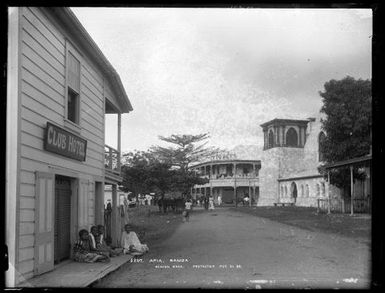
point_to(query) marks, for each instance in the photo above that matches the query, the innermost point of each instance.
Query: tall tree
(186, 149)
(144, 173)
(347, 105)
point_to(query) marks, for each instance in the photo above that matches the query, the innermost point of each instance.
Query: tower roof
(277, 122)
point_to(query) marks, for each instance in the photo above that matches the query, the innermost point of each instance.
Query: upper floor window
(291, 137)
(73, 88)
(271, 139)
(321, 141)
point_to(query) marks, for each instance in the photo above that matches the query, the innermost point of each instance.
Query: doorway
(294, 192)
(62, 232)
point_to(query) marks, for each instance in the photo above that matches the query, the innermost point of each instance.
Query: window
(302, 191)
(307, 190)
(321, 142)
(271, 139)
(72, 106)
(291, 137)
(73, 88)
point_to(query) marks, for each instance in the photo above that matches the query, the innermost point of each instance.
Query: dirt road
(228, 249)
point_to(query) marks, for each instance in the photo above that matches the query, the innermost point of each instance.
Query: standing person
(211, 203)
(187, 209)
(219, 200)
(206, 203)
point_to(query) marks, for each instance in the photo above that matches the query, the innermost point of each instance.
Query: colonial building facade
(60, 87)
(229, 180)
(286, 174)
(290, 160)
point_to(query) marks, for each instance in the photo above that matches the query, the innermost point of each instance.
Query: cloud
(225, 71)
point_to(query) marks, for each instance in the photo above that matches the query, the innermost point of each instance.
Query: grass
(152, 226)
(357, 226)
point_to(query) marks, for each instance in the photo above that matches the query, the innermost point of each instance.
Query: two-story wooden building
(60, 86)
(230, 180)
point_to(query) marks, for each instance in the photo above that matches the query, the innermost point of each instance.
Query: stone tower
(283, 154)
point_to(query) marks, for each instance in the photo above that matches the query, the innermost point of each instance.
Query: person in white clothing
(186, 212)
(211, 203)
(131, 243)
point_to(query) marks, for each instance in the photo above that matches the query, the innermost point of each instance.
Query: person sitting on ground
(131, 243)
(83, 251)
(101, 244)
(94, 235)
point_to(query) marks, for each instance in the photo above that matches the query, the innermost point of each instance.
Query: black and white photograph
(189, 147)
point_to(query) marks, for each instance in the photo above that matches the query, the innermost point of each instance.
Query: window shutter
(83, 204)
(44, 222)
(73, 73)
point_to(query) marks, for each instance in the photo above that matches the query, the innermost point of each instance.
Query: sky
(224, 71)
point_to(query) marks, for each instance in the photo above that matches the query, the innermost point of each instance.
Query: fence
(360, 205)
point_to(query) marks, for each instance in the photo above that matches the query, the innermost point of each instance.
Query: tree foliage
(347, 105)
(143, 173)
(185, 150)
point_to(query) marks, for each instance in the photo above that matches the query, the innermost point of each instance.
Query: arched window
(317, 190)
(281, 191)
(307, 190)
(291, 137)
(302, 191)
(285, 191)
(271, 139)
(321, 141)
(293, 191)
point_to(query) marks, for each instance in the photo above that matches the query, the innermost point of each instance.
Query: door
(228, 195)
(44, 226)
(62, 218)
(294, 191)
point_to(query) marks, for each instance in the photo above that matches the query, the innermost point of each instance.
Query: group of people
(208, 202)
(145, 199)
(92, 247)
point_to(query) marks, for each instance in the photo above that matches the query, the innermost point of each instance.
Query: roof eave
(73, 25)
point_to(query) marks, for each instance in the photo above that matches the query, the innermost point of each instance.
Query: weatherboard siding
(43, 98)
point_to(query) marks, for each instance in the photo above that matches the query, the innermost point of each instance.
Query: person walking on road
(211, 203)
(186, 212)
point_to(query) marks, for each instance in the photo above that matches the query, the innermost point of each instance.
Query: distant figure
(211, 203)
(245, 200)
(206, 202)
(186, 212)
(219, 200)
(131, 243)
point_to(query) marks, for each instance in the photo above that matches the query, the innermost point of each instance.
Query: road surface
(228, 249)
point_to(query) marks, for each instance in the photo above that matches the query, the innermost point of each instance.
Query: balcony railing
(111, 160)
(230, 176)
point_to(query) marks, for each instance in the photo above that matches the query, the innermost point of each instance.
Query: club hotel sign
(62, 142)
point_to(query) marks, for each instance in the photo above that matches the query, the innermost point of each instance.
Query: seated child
(131, 243)
(94, 235)
(101, 244)
(84, 252)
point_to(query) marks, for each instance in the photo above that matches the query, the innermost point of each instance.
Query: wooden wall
(43, 87)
